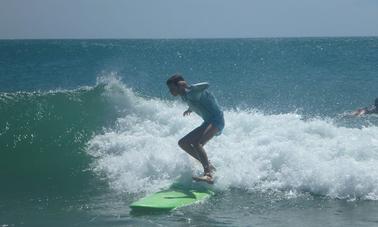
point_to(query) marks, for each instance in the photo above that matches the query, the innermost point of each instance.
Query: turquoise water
(88, 126)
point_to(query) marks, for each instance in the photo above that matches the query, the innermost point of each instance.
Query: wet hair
(175, 79)
(376, 103)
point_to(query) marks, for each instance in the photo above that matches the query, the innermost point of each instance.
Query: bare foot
(208, 178)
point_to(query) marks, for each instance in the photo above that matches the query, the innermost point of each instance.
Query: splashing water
(256, 151)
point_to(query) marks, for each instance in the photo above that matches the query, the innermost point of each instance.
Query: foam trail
(286, 153)
(256, 151)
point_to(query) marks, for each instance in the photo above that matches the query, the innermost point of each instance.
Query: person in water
(203, 103)
(367, 110)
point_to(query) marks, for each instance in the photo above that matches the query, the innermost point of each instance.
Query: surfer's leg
(198, 145)
(186, 142)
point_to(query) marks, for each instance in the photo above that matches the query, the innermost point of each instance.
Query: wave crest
(256, 151)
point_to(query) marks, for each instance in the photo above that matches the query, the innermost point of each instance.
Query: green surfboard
(174, 197)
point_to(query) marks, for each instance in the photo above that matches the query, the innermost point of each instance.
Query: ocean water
(88, 126)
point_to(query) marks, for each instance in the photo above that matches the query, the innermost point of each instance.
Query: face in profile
(177, 89)
(173, 89)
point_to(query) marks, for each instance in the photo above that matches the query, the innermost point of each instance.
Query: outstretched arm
(199, 87)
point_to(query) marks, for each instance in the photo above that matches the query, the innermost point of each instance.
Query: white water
(256, 152)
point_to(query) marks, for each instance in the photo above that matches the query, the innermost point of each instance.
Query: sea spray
(256, 151)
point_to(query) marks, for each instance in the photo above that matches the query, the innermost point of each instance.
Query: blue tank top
(202, 102)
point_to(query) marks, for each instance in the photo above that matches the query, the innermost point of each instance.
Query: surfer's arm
(199, 87)
(194, 93)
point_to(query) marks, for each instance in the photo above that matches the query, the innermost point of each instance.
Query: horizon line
(198, 38)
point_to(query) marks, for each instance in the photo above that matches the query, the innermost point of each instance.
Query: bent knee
(183, 143)
(198, 145)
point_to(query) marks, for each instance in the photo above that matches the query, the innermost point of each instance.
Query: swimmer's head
(376, 103)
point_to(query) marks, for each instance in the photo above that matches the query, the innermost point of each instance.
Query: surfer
(203, 103)
(367, 110)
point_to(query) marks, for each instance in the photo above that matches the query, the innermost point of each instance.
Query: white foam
(255, 152)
